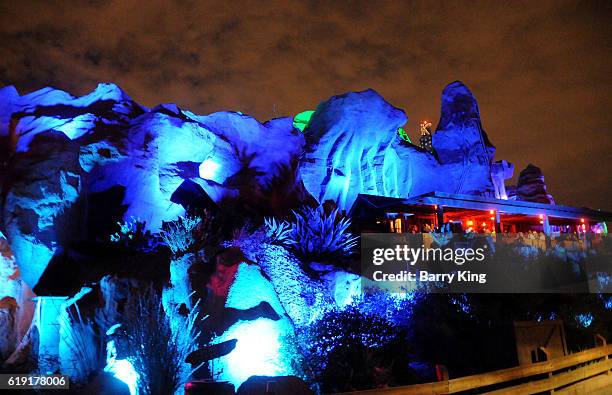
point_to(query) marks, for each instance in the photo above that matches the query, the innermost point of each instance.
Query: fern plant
(278, 232)
(316, 234)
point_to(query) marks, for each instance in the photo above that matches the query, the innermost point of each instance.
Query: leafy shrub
(179, 235)
(348, 350)
(158, 342)
(316, 234)
(133, 235)
(84, 342)
(278, 232)
(393, 308)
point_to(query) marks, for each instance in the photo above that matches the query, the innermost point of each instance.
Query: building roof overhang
(471, 202)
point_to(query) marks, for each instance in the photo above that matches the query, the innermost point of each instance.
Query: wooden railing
(559, 372)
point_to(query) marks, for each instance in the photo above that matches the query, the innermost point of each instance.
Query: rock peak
(110, 91)
(458, 106)
(531, 186)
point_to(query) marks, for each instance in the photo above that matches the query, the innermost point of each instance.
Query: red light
(582, 220)
(491, 212)
(492, 218)
(541, 216)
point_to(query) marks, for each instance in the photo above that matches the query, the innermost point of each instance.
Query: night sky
(541, 71)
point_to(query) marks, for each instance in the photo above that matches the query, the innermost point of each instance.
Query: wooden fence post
(599, 339)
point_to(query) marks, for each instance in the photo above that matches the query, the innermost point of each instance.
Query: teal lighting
(47, 319)
(259, 345)
(257, 351)
(208, 169)
(121, 369)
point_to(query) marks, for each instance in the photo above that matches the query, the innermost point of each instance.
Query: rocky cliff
(74, 166)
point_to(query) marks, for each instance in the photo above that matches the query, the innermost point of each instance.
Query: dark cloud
(540, 70)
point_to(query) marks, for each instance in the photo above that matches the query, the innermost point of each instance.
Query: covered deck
(467, 213)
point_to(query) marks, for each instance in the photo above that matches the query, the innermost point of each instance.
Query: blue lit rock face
(79, 164)
(42, 207)
(461, 141)
(353, 147)
(105, 152)
(259, 341)
(459, 135)
(52, 109)
(347, 141)
(16, 305)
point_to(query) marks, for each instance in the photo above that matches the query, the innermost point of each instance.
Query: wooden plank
(556, 381)
(416, 389)
(598, 385)
(521, 372)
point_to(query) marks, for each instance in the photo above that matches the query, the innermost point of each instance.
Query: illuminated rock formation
(531, 186)
(105, 152)
(347, 141)
(16, 305)
(460, 140)
(353, 147)
(77, 165)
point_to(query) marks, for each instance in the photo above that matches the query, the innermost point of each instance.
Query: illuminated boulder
(460, 140)
(42, 206)
(159, 152)
(531, 186)
(353, 147)
(412, 171)
(52, 109)
(80, 164)
(258, 339)
(347, 139)
(44, 181)
(165, 147)
(264, 146)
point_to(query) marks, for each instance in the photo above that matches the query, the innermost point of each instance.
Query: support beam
(498, 228)
(546, 224)
(440, 216)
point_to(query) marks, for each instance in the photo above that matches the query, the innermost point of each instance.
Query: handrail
(520, 372)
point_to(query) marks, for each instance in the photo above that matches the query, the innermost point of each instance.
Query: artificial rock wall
(74, 166)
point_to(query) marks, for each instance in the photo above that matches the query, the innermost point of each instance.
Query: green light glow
(402, 133)
(301, 120)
